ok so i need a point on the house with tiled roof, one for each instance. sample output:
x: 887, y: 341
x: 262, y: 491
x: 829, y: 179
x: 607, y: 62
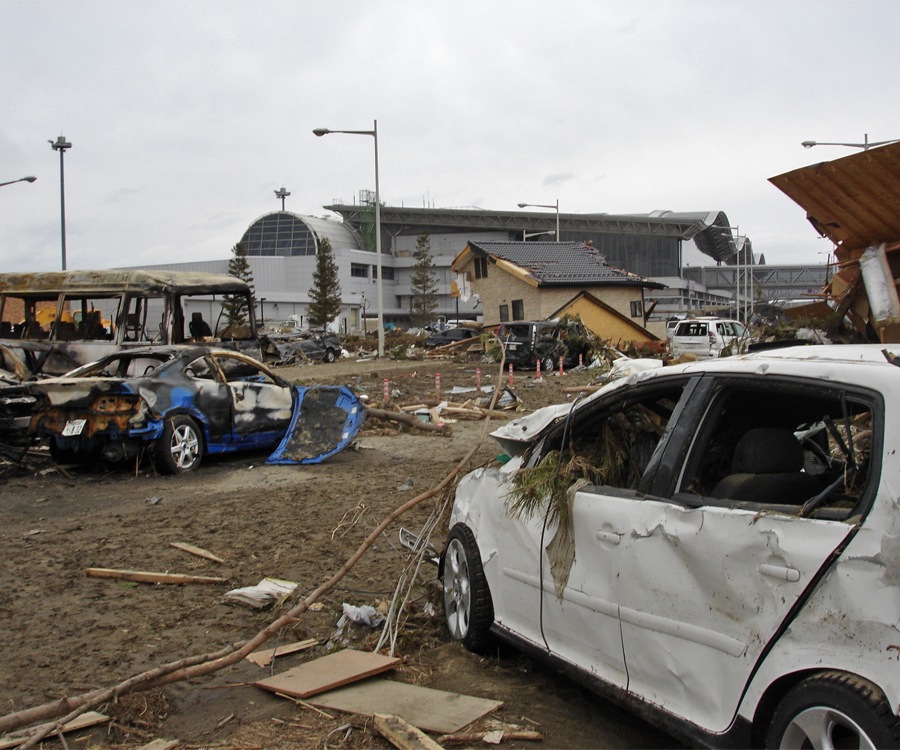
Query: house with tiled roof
x: 534, y: 280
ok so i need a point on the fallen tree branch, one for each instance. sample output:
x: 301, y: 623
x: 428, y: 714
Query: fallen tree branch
x: 407, y: 419
x: 205, y: 664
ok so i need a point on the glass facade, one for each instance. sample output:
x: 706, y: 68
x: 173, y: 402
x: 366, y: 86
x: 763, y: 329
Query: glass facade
x: 279, y: 234
x: 647, y: 255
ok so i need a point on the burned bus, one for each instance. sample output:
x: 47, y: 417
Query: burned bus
x: 69, y: 318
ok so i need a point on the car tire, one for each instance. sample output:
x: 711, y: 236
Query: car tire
x: 468, y: 609
x: 330, y: 356
x: 63, y: 456
x: 547, y: 364
x: 834, y: 709
x: 180, y: 448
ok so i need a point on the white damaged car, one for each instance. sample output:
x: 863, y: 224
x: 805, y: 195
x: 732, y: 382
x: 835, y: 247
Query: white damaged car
x: 714, y: 545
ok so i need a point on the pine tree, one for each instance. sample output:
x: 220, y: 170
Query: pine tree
x: 424, y: 284
x: 235, y: 307
x: 325, y: 294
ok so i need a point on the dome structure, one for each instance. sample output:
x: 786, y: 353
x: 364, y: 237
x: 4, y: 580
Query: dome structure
x: 283, y: 233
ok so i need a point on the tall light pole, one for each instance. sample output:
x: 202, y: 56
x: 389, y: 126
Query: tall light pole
x: 21, y: 179
x: 865, y: 145
x: 282, y: 194
x: 380, y: 300
x: 61, y: 144
x: 544, y: 205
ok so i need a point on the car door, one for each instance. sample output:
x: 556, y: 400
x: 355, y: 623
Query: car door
x: 261, y: 404
x: 560, y: 579
x: 705, y: 583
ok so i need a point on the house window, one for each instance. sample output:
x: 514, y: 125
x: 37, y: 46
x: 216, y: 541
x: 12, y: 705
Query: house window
x: 504, y: 313
x: 359, y: 270
x: 481, y: 268
x: 387, y: 273
x: 518, y: 309
x: 637, y: 309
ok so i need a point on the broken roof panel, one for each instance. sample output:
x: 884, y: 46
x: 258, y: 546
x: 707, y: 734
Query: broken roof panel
x: 854, y: 201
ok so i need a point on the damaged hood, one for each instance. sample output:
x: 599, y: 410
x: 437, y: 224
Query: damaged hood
x: 853, y: 201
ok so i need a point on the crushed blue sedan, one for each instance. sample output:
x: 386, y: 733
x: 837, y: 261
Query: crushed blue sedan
x: 182, y: 403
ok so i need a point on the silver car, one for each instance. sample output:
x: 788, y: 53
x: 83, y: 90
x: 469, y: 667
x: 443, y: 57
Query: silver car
x: 708, y: 337
x: 715, y: 545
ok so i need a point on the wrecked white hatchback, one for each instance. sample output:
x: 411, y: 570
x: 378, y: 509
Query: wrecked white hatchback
x: 714, y: 545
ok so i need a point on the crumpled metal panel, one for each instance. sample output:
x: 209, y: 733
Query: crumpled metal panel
x: 854, y: 201
x: 118, y: 281
x: 326, y: 419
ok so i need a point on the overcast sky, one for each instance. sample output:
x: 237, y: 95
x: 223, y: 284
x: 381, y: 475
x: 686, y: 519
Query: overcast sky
x: 186, y: 116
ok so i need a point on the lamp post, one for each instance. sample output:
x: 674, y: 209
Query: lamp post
x: 282, y: 194
x: 21, y: 179
x: 262, y: 311
x: 380, y: 299
x: 61, y: 144
x: 865, y: 145
x: 544, y: 205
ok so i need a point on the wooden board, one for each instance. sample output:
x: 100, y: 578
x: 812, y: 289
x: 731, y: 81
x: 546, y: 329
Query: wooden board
x: 88, y: 719
x: 328, y: 672
x: 264, y: 658
x: 426, y: 708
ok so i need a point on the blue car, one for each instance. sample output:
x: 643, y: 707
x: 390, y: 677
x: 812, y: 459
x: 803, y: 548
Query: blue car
x: 183, y: 403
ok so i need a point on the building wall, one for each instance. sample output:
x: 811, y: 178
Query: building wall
x: 502, y: 288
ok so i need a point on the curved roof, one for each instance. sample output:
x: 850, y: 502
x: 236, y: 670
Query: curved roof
x: 287, y: 233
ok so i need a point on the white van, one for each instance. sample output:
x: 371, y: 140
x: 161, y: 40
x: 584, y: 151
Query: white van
x: 705, y: 338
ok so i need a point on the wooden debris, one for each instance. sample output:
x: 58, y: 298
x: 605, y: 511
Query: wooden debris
x: 407, y: 419
x: 146, y: 576
x: 160, y: 744
x: 328, y: 672
x: 198, y: 551
x: 89, y: 719
x: 264, y: 658
x: 493, y: 737
x: 403, y: 735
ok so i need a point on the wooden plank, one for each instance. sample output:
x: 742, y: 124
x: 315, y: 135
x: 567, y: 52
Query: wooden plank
x: 198, y: 551
x: 426, y: 708
x: 87, y: 719
x: 160, y: 744
x: 403, y: 735
x: 328, y: 672
x: 146, y: 576
x: 264, y: 658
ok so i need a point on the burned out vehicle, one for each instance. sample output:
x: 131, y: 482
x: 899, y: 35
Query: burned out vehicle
x: 183, y: 403
x: 80, y: 316
x: 302, y: 346
x: 450, y: 336
x: 527, y: 342
x: 714, y: 545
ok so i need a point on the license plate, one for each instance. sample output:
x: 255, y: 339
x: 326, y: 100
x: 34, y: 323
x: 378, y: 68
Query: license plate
x: 74, y: 427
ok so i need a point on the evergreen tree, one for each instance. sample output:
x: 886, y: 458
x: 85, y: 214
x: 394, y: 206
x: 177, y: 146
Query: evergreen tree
x: 235, y: 307
x: 325, y: 295
x: 424, y: 284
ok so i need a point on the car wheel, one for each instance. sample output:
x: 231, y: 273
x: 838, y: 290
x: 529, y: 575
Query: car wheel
x: 330, y: 356
x: 834, y: 710
x: 180, y: 448
x: 62, y: 455
x: 547, y: 364
x: 468, y: 609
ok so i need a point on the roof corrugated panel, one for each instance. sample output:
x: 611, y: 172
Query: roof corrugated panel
x: 563, y: 263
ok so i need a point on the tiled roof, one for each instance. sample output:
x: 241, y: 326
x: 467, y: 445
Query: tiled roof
x: 563, y: 264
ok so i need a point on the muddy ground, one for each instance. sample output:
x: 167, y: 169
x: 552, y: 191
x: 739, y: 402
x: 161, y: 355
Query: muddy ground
x: 64, y: 633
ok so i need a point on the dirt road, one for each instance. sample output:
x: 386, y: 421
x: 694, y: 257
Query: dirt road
x: 65, y: 633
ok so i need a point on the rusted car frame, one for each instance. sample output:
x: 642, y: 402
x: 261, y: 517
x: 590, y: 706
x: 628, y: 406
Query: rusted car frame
x: 80, y: 316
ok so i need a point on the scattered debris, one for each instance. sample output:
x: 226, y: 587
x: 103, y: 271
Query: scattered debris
x: 403, y: 735
x: 89, y: 719
x: 328, y: 672
x: 264, y: 594
x: 198, y: 551
x: 492, y: 737
x: 366, y: 614
x: 145, y: 576
x: 264, y: 658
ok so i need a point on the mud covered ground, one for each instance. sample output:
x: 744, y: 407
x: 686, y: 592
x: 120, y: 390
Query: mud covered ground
x: 64, y: 633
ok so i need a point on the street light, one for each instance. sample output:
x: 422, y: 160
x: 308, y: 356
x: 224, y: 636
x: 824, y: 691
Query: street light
x: 21, y: 179
x: 282, y: 194
x: 544, y: 205
x: 380, y: 300
x: 865, y: 145
x: 61, y: 144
